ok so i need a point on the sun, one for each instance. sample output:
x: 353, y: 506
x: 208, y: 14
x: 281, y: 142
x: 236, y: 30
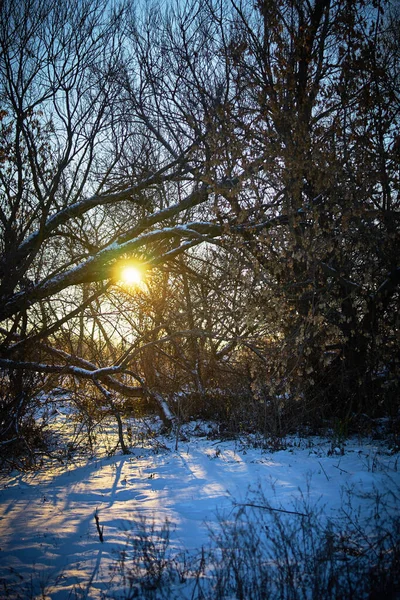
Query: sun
x: 131, y: 275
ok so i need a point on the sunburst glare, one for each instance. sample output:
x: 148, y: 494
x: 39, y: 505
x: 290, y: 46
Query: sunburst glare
x: 131, y: 275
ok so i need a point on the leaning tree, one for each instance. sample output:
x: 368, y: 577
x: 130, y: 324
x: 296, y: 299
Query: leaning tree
x: 91, y: 175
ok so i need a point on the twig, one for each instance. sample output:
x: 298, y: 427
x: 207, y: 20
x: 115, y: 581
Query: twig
x: 340, y: 469
x: 280, y: 510
x: 99, y: 529
x: 323, y: 470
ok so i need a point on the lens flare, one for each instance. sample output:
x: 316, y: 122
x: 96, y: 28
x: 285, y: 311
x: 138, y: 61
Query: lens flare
x: 131, y: 275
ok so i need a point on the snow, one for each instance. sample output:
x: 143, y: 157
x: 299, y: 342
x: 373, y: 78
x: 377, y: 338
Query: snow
x: 48, y: 531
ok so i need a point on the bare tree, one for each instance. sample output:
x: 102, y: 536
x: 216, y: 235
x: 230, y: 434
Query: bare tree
x: 85, y: 174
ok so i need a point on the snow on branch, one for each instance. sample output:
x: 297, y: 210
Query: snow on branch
x: 97, y: 267
x: 198, y: 196
x: 6, y: 363
x: 75, y: 371
x: 81, y: 207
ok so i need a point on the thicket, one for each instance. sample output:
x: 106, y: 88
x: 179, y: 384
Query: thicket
x: 245, y: 156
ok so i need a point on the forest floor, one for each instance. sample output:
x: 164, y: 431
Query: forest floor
x: 172, y: 504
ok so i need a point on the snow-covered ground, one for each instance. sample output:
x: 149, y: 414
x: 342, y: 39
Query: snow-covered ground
x: 49, y: 543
